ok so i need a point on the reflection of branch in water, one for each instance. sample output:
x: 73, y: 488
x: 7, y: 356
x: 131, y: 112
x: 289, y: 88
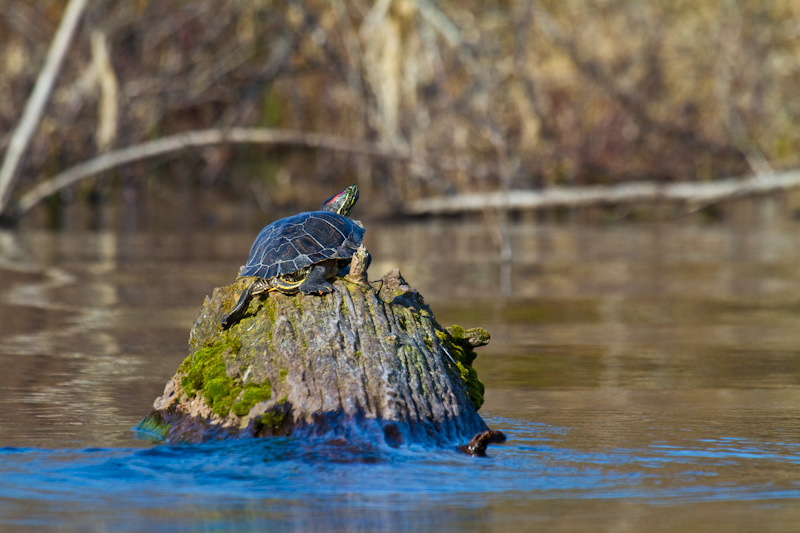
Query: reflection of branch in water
x: 83, y: 319
x: 501, y: 221
x: 497, y: 222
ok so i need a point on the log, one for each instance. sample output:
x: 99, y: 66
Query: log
x: 693, y: 193
x: 359, y: 364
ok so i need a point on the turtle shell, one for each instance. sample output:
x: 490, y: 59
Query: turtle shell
x: 290, y: 244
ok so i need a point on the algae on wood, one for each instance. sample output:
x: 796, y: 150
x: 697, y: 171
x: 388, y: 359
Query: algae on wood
x: 354, y: 364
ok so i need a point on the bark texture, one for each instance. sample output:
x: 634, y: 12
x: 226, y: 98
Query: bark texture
x: 355, y: 364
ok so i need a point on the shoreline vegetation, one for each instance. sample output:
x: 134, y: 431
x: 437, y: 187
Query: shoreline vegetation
x: 443, y: 107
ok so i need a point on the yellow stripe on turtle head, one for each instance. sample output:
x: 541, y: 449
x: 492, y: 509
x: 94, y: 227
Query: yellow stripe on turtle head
x: 343, y: 202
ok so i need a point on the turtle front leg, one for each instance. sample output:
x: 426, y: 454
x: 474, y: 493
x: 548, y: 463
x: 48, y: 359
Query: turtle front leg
x: 238, y: 311
x: 317, y: 281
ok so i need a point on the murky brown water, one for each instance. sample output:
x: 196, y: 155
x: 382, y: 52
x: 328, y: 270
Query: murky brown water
x: 648, y: 375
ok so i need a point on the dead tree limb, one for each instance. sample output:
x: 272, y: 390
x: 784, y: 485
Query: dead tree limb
x: 705, y: 193
x: 38, y: 99
x: 208, y: 137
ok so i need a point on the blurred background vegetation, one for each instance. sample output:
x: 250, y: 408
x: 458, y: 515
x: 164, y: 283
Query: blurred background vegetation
x: 484, y: 96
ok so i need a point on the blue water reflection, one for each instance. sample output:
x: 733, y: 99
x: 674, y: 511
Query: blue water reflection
x: 301, y: 483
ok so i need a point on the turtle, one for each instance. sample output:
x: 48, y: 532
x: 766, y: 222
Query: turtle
x: 300, y: 253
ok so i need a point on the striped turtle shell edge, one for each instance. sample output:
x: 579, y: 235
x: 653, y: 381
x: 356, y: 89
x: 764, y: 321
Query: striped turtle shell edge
x: 290, y: 244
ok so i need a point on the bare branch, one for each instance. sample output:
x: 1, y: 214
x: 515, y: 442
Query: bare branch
x: 108, y: 106
x: 38, y: 99
x: 696, y: 193
x: 181, y: 141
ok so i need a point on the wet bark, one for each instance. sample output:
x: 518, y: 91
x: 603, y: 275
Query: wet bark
x: 356, y: 364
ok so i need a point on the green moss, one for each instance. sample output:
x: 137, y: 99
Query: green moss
x: 271, y: 314
x: 283, y: 373
x: 208, y: 364
x: 456, y: 331
x: 461, y: 344
x: 475, y: 388
x: 454, y: 348
x: 253, y: 393
x: 220, y: 393
x: 461, y: 351
x: 274, y: 419
x: 296, y: 303
x: 205, y: 372
x: 478, y: 336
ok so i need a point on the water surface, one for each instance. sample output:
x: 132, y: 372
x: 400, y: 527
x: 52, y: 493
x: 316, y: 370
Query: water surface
x: 647, y: 376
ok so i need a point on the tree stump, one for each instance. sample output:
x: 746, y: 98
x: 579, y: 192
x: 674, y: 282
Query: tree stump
x: 357, y: 364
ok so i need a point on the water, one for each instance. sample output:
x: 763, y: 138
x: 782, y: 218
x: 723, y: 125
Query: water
x: 647, y: 377
x: 280, y: 483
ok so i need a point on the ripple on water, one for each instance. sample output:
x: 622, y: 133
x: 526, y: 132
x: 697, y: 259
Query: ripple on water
x: 301, y: 476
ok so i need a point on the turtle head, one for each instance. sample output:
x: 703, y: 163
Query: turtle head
x: 343, y: 202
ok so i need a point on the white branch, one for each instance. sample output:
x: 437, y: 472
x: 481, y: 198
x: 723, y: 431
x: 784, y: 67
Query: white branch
x: 38, y: 99
x: 181, y: 141
x: 694, y: 193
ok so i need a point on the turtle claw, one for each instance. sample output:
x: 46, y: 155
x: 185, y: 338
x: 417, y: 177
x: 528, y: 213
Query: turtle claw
x: 315, y: 282
x: 319, y: 291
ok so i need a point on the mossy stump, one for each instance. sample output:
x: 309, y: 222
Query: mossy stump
x: 356, y: 364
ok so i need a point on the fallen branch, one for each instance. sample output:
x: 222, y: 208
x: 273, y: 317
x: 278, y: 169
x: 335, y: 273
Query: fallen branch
x: 181, y: 141
x: 705, y: 193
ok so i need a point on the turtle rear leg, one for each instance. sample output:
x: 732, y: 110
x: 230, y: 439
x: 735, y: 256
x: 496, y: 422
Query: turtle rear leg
x: 238, y: 311
x: 316, y: 282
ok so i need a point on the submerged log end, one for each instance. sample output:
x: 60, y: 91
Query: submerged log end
x: 478, y: 444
